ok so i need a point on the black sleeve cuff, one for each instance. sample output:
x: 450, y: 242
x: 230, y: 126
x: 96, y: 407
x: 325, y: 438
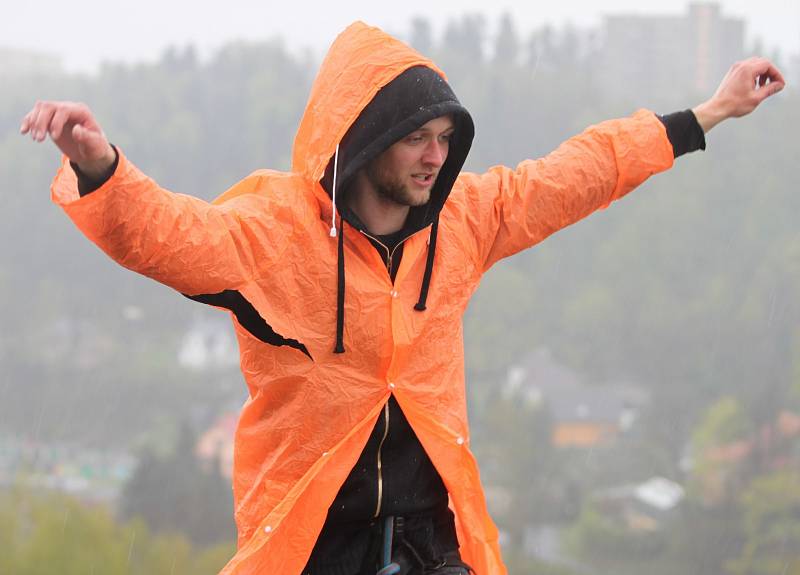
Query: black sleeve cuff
x: 87, y: 185
x: 684, y: 133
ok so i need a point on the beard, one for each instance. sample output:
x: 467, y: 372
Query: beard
x: 391, y: 189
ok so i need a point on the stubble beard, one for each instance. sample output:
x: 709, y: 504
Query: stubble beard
x: 392, y: 189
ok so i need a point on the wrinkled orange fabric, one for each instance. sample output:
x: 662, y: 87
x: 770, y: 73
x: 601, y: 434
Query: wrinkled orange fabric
x: 306, y: 421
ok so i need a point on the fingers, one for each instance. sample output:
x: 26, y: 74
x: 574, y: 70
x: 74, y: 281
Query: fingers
x: 744, y: 87
x: 767, y: 80
x: 29, y: 121
x: 26, y: 123
x: 37, y: 121
x: 749, y: 83
x: 51, y: 117
x: 60, y: 118
x: 43, y: 120
x: 763, y: 73
x: 767, y: 71
x: 72, y: 128
x: 768, y: 89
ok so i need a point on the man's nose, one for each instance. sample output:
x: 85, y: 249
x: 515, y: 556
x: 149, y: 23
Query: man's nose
x: 435, y: 154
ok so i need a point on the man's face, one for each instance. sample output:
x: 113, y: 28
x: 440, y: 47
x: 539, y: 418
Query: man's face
x: 405, y: 173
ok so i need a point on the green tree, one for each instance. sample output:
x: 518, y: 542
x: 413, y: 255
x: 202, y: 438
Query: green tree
x: 176, y: 493
x: 514, y: 444
x: 771, y: 522
x: 597, y: 539
x: 47, y: 533
x: 723, y: 423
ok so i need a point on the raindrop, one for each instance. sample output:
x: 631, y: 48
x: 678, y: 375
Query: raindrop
x: 772, y: 309
x: 536, y: 65
x: 130, y: 549
x: 64, y: 524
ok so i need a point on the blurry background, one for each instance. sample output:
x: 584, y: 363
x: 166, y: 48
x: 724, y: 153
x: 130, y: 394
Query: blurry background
x: 634, y: 380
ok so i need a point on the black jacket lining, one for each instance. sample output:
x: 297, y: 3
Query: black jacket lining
x: 248, y: 318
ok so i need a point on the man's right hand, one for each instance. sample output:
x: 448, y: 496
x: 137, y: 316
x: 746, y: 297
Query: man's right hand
x: 74, y: 130
x: 744, y: 87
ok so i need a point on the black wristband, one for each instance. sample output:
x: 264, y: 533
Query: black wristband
x: 684, y: 132
x: 87, y: 185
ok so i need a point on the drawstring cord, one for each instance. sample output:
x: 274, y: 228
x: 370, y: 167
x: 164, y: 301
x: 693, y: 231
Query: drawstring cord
x: 333, y: 192
x: 339, y: 348
x: 426, y: 279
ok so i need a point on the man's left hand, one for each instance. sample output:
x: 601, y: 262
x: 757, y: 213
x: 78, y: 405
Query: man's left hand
x: 744, y: 87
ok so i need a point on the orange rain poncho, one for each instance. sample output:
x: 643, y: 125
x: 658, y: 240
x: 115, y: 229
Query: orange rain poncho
x: 307, y: 420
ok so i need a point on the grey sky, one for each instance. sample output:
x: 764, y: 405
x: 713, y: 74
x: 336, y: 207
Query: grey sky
x: 85, y: 32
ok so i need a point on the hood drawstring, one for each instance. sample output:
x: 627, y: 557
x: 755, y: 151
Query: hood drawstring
x: 423, y: 294
x: 340, y: 292
x: 417, y: 94
x: 333, y: 192
x: 426, y: 279
x: 339, y: 347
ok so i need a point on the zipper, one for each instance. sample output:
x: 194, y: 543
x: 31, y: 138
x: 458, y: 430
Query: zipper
x: 389, y: 253
x: 389, y: 260
x: 380, y: 471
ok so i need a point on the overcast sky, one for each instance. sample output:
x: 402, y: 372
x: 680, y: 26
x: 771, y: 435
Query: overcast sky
x: 85, y: 32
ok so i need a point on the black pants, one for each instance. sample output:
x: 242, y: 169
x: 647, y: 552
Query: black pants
x: 424, y: 544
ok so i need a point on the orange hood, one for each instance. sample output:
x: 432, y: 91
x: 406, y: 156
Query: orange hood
x: 360, y: 62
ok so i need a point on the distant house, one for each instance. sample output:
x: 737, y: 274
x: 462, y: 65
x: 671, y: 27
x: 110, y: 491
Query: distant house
x: 774, y: 447
x: 642, y: 507
x: 215, y: 445
x: 585, y: 414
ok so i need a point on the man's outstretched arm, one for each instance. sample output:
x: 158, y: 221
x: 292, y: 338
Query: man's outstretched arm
x: 179, y: 240
x: 512, y: 209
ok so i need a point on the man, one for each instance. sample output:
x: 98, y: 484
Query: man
x: 347, y: 279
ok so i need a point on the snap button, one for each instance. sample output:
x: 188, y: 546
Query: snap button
x: 393, y: 293
x: 391, y: 385
x: 268, y: 528
x: 460, y: 441
x: 324, y: 453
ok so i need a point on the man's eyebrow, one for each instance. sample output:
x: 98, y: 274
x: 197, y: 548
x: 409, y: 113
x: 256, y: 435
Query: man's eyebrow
x: 424, y: 129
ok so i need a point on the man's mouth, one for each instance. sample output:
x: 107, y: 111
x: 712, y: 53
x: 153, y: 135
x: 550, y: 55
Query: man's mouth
x: 423, y: 179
